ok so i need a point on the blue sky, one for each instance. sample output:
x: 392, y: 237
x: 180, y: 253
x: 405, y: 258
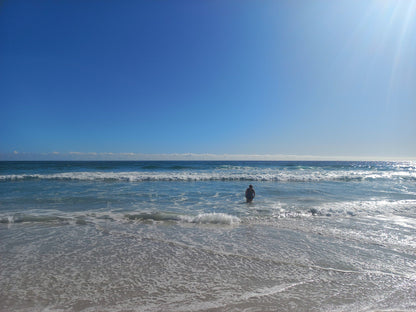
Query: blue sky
x: 302, y: 78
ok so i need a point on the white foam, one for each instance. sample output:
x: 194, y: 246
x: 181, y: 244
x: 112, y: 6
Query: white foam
x: 399, y: 220
x: 366, y: 207
x: 100, y: 217
x: 269, y: 291
x: 212, y: 218
x: 221, y: 175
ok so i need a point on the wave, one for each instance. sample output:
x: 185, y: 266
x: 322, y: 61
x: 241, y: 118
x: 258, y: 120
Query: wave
x: 398, y: 210
x: 30, y: 218
x: 366, y: 208
x: 184, y: 176
x: 202, y: 218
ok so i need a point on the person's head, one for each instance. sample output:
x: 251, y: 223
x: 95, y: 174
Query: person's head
x: 250, y: 186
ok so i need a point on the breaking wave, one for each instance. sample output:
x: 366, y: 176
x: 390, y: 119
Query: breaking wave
x: 202, y: 218
x: 278, y: 176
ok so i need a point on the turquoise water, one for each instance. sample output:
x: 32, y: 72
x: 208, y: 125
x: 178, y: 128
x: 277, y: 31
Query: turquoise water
x: 178, y: 236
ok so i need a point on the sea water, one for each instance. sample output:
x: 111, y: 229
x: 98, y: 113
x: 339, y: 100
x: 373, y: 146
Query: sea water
x: 179, y: 236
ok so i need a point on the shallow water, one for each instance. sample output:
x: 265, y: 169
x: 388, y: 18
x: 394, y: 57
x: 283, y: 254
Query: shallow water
x: 178, y: 236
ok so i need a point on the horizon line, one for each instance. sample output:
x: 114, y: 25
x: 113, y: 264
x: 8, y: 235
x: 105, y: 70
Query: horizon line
x: 109, y: 156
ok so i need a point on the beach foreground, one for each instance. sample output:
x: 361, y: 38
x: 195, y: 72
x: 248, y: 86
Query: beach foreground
x: 178, y: 236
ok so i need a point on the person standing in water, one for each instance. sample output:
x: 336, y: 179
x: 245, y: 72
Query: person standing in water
x: 250, y: 194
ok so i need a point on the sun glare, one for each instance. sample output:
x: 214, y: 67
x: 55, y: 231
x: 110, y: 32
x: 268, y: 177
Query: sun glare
x: 394, y: 24
x: 405, y: 13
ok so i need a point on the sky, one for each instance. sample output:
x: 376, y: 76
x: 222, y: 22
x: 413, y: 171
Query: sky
x: 289, y: 79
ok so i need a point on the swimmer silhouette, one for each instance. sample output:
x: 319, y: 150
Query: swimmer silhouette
x: 250, y: 194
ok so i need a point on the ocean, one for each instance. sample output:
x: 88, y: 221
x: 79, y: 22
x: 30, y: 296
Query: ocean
x: 179, y: 236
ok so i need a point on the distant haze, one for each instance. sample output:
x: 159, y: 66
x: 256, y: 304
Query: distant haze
x: 187, y: 156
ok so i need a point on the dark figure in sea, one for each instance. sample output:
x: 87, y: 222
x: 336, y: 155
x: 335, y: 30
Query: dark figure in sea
x: 250, y: 194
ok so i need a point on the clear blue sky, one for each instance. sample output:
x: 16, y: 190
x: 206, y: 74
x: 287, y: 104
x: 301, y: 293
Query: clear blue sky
x: 294, y: 77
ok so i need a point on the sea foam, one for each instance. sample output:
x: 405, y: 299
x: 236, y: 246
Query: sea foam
x: 187, y: 175
x: 212, y: 218
x: 202, y: 218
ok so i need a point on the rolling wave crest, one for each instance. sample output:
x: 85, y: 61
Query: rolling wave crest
x: 278, y: 176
